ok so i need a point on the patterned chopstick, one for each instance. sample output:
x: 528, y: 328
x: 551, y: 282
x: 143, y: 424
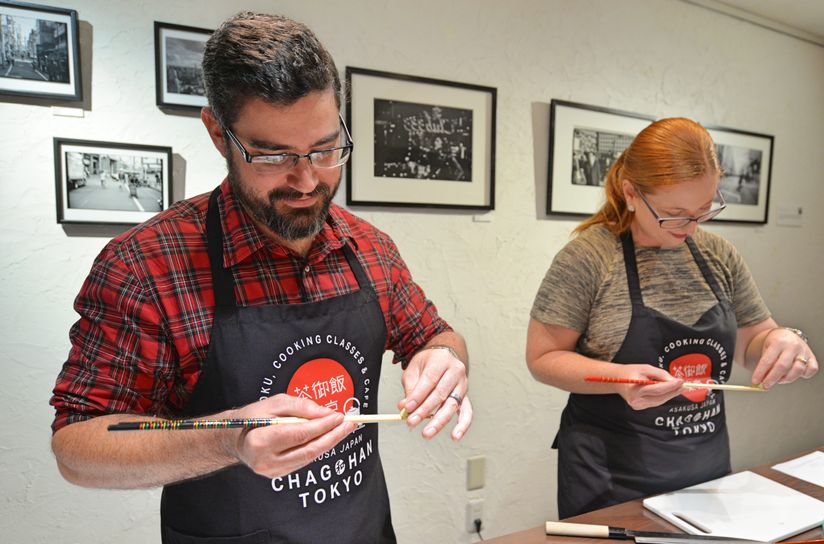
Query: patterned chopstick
x: 244, y: 423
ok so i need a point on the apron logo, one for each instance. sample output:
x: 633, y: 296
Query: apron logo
x: 322, y: 380
x: 342, y: 469
x: 693, y: 367
x: 321, y: 483
x: 697, y: 366
x: 694, y: 359
x: 326, y: 382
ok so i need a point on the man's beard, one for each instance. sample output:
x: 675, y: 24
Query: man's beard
x: 296, y: 224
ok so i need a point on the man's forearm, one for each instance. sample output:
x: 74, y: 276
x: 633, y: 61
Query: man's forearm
x: 91, y: 456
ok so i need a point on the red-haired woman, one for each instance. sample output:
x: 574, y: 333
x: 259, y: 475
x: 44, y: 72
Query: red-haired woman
x: 642, y: 293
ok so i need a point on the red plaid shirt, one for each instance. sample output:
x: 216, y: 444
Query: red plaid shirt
x: 146, y: 307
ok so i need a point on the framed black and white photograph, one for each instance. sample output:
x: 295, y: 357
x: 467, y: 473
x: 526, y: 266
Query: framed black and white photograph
x: 110, y: 183
x: 419, y: 142
x: 584, y: 141
x: 746, y: 160
x: 39, y: 51
x: 178, y: 72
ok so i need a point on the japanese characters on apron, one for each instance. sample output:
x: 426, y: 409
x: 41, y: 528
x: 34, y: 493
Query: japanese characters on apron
x: 329, y: 351
x: 609, y: 453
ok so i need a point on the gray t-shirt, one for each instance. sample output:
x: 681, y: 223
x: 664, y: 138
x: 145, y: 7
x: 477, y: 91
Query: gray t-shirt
x: 585, y: 289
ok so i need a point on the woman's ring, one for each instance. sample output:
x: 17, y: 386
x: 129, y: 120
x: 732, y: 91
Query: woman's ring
x: 803, y: 359
x: 456, y: 397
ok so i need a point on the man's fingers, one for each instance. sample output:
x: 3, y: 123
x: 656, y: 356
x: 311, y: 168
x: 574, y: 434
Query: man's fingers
x: 288, y: 405
x: 300, y: 456
x: 280, y: 449
x: 438, y: 395
x: 448, y: 408
x: 420, y: 392
x: 464, y: 420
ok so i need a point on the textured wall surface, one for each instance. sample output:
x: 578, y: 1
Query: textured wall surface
x: 661, y: 57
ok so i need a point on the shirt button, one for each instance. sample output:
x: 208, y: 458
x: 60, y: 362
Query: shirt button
x: 306, y: 269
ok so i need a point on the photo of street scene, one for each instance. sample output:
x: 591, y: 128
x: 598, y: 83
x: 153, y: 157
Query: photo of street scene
x: 593, y: 152
x: 113, y: 182
x: 33, y: 49
x: 183, y: 72
x: 422, y: 141
x: 741, y: 181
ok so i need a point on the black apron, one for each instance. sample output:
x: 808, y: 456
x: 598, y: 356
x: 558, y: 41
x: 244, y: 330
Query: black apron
x: 609, y: 453
x: 329, y: 351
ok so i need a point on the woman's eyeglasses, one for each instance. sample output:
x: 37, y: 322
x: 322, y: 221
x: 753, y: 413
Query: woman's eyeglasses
x: 679, y: 222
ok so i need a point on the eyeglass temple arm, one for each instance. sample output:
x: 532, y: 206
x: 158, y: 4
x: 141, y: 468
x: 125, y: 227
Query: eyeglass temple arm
x: 345, y: 128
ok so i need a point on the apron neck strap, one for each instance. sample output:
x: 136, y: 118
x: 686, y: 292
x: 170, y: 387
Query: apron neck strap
x: 221, y: 277
x: 633, y: 283
x: 705, y: 269
x: 357, y: 269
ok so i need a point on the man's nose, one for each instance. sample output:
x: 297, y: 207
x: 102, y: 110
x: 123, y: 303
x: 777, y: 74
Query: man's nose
x: 304, y: 178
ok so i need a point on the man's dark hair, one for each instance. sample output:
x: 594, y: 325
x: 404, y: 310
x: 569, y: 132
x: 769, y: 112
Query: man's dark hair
x: 266, y: 56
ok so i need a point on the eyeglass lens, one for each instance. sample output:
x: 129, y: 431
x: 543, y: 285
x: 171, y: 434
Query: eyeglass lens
x: 325, y: 158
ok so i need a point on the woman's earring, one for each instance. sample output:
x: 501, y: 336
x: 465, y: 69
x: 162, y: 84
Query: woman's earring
x: 631, y: 209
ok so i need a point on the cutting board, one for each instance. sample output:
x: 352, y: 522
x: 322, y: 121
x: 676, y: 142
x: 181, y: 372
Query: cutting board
x: 741, y: 505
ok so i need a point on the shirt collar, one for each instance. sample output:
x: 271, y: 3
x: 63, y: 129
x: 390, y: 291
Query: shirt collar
x: 243, y: 238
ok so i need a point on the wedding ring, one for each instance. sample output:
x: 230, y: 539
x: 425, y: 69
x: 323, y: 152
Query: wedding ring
x: 803, y: 359
x: 456, y: 397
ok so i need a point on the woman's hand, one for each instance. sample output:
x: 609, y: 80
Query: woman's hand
x: 785, y: 357
x: 640, y: 397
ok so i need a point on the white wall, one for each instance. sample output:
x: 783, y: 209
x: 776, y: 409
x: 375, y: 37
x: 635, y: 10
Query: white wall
x: 661, y: 57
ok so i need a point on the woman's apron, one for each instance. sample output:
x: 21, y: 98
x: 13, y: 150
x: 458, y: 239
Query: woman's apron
x: 609, y: 453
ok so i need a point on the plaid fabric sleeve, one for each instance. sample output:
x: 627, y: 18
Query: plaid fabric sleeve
x: 120, y: 358
x: 413, y: 318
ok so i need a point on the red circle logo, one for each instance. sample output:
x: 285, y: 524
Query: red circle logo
x: 693, y: 367
x: 326, y: 382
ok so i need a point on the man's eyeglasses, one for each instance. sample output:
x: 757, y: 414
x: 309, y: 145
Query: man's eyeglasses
x: 679, y: 222
x: 281, y: 162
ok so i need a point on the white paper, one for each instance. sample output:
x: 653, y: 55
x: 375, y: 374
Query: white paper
x: 809, y: 468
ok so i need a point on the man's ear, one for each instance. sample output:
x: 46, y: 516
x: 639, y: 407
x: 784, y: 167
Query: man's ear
x: 214, y: 128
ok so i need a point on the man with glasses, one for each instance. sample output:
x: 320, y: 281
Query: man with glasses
x: 262, y: 299
x: 643, y: 294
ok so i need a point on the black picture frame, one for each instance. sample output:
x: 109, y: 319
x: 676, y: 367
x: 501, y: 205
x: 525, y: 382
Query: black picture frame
x: 178, y: 72
x: 746, y: 161
x: 39, y: 52
x: 575, y: 180
x: 420, y: 142
x: 110, y: 183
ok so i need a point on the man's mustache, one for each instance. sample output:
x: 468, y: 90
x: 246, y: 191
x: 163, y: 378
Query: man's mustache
x: 283, y: 194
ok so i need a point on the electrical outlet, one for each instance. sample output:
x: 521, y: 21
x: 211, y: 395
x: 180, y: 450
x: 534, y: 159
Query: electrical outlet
x: 474, y: 510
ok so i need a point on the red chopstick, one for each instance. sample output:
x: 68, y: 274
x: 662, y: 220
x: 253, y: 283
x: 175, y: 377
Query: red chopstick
x: 607, y: 379
x: 688, y: 385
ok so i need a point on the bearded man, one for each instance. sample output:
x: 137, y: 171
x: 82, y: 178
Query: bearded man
x: 261, y: 299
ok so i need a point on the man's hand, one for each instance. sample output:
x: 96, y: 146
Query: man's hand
x: 277, y: 450
x: 435, y: 383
